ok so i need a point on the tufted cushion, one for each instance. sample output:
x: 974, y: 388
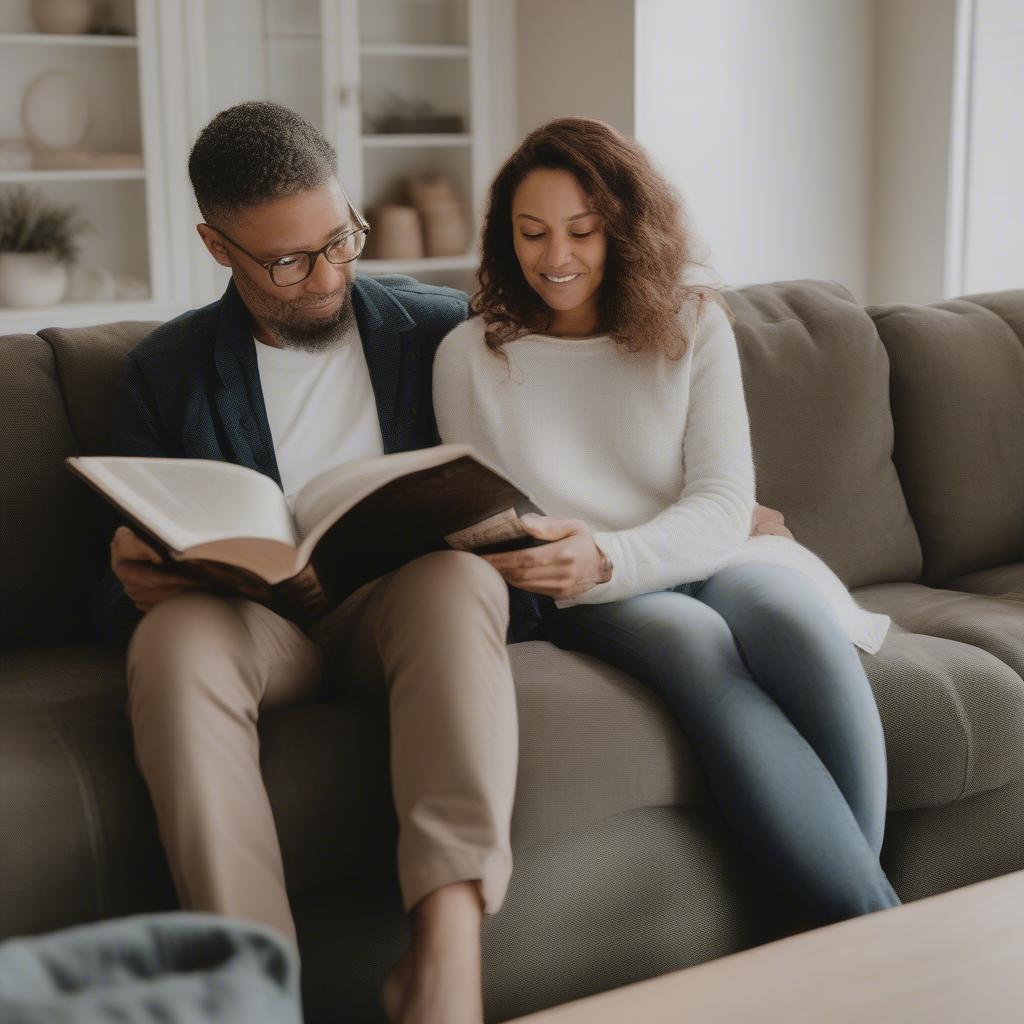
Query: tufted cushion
x: 958, y: 405
x: 89, y: 364
x: 816, y: 379
x: 994, y: 624
x: 45, y: 516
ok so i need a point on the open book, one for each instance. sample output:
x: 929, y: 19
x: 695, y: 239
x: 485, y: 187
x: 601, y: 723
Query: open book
x: 232, y: 527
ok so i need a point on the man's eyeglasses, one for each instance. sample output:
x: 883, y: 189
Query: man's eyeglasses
x: 297, y: 266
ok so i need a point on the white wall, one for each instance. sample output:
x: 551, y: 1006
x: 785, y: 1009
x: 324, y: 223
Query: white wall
x: 761, y: 114
x: 914, y: 42
x: 993, y: 229
x: 575, y: 58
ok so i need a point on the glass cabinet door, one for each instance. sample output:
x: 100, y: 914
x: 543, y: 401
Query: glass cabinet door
x: 391, y: 84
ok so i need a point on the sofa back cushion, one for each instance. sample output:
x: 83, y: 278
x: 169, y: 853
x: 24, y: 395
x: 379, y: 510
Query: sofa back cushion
x: 816, y: 379
x: 958, y: 404
x: 56, y: 393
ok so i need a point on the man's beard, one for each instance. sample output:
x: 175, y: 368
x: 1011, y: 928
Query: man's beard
x: 310, y: 335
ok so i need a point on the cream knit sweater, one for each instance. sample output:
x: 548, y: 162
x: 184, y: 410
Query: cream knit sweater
x: 652, y: 453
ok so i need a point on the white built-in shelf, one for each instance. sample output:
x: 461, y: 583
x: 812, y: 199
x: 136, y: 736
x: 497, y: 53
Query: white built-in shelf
x: 75, y: 314
x: 52, y: 39
x: 299, y: 40
x: 99, y: 174
x: 413, y: 50
x: 427, y: 140
x: 420, y: 266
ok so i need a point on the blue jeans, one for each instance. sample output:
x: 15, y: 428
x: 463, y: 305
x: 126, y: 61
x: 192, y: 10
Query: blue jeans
x: 765, y: 683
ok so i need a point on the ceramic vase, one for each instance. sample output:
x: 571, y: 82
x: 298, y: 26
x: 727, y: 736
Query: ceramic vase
x: 398, y: 233
x: 445, y: 232
x: 63, y: 17
x: 31, y: 279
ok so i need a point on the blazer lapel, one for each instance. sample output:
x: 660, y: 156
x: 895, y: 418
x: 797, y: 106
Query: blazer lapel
x: 381, y: 320
x: 239, y: 400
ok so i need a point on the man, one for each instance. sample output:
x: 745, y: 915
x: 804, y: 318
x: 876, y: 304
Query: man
x: 299, y: 366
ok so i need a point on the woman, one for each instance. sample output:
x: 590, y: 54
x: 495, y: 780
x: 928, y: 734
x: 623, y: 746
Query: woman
x: 611, y: 392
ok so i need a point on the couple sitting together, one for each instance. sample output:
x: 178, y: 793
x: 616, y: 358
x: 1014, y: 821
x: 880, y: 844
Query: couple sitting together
x: 586, y: 369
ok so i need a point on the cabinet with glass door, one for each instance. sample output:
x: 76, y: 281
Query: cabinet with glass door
x: 82, y: 229
x: 404, y: 90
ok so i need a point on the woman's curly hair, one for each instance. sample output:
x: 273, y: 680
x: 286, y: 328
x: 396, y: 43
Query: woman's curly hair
x: 643, y: 289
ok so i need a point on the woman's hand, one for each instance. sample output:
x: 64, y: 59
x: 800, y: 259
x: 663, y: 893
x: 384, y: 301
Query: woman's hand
x: 768, y: 520
x: 565, y: 568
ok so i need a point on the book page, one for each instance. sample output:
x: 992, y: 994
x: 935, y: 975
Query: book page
x: 194, y: 501
x: 333, y: 492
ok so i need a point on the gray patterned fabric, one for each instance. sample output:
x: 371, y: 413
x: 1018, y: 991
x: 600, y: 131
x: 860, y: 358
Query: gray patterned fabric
x: 172, y: 968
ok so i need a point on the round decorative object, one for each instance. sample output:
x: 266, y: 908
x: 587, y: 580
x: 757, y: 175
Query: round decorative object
x: 63, y: 17
x: 55, y: 111
x: 29, y: 279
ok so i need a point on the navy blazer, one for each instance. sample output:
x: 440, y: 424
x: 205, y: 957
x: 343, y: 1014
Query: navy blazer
x: 191, y: 389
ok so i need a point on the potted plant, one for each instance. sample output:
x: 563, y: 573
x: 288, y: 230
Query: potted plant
x: 37, y: 242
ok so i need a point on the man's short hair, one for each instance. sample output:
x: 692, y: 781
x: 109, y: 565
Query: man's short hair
x: 254, y: 152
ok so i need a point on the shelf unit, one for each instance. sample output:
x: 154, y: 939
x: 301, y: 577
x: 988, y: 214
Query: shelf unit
x: 53, y: 39
x: 41, y: 177
x: 124, y: 206
x: 332, y: 60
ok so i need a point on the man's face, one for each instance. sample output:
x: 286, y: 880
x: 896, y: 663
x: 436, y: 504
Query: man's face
x: 314, y: 313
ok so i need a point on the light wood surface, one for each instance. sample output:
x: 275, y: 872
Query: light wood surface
x: 957, y: 957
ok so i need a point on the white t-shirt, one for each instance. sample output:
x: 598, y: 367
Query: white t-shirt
x: 321, y: 408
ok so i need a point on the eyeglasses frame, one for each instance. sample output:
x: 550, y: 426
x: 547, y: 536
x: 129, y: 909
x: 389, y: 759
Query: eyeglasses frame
x: 313, y: 254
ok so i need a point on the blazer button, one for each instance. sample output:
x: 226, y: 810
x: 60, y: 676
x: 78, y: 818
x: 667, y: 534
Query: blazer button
x: 263, y: 460
x: 248, y: 422
x: 414, y: 411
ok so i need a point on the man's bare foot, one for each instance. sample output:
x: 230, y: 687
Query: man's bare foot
x: 437, y: 981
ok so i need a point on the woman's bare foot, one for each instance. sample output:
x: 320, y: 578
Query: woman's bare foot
x: 437, y: 981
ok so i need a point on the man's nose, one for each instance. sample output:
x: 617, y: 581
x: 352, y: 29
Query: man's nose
x: 326, y: 277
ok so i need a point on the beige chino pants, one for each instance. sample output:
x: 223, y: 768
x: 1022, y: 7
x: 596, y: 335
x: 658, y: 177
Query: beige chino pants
x: 431, y: 635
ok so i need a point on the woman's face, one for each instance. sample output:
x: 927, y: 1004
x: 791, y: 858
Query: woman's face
x: 561, y: 246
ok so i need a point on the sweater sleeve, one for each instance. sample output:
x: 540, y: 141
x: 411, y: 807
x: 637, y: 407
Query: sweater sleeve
x: 451, y: 386
x: 710, y: 520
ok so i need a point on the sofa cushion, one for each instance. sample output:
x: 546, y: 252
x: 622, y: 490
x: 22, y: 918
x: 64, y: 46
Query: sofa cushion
x: 89, y: 365
x: 958, y: 405
x: 816, y: 379
x: 953, y: 717
x: 1005, y: 581
x: 995, y: 624
x: 47, y: 517
x: 78, y: 838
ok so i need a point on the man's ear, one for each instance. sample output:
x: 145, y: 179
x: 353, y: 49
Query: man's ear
x: 214, y: 244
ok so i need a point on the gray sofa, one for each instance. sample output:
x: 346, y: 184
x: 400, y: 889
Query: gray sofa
x: 892, y: 439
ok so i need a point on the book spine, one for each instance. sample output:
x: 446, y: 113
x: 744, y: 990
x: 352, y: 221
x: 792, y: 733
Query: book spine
x: 302, y: 597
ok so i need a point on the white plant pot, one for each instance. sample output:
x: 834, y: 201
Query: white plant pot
x: 31, y: 279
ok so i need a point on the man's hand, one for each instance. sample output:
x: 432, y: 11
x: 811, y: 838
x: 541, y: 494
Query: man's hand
x: 140, y: 569
x: 565, y: 568
x: 768, y: 520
